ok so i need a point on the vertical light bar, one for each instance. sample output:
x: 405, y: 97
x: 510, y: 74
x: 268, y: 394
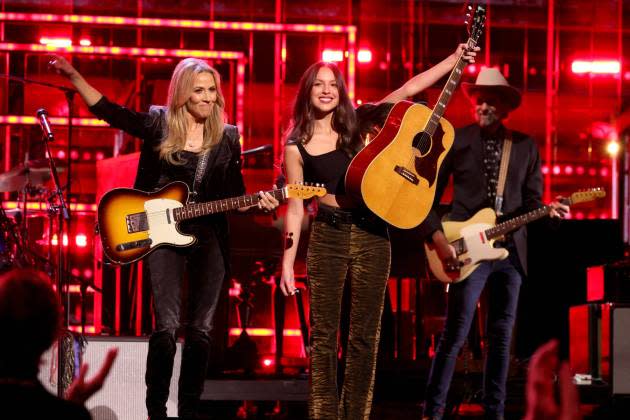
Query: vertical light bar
x: 551, y: 29
x: 614, y: 193
x: 352, y: 55
x: 98, y: 282
x: 240, y: 94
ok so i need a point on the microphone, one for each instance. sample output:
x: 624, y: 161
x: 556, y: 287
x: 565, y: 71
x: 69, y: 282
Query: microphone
x: 42, y: 115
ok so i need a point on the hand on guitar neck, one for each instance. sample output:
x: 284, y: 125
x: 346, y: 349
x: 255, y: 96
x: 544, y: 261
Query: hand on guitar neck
x: 559, y: 207
x: 445, y: 251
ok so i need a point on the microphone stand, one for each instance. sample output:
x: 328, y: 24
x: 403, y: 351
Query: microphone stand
x: 57, y: 207
x: 61, y: 210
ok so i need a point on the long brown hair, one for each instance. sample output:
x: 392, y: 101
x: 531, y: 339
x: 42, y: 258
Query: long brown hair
x: 344, y: 120
x: 179, y: 91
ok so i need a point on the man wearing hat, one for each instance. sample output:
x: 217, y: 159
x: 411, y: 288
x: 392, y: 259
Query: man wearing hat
x: 474, y: 162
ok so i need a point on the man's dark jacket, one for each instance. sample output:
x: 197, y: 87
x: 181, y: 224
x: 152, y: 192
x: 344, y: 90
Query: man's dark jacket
x: 523, y: 186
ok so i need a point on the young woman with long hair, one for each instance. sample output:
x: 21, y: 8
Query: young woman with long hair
x: 347, y: 240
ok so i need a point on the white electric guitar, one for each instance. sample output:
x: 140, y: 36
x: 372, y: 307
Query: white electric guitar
x: 473, y: 239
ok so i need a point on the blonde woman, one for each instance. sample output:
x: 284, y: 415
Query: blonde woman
x: 175, y: 136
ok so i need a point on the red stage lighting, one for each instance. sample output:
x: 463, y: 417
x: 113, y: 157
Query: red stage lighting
x: 55, y: 242
x: 568, y: 170
x: 81, y: 240
x: 84, y: 42
x: 267, y: 362
x: 556, y: 169
x: 596, y: 67
x: 334, y: 56
x: 55, y: 42
x: 364, y: 56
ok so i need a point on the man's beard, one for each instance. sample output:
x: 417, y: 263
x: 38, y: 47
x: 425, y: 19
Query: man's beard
x: 487, y: 118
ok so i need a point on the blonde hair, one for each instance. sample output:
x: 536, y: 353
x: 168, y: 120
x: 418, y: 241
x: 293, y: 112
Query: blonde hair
x: 179, y: 91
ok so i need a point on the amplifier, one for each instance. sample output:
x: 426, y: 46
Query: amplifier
x: 600, y: 345
x: 122, y: 396
x: 609, y: 283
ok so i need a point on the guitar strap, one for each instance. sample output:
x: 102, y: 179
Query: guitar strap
x: 202, y: 164
x: 505, y: 161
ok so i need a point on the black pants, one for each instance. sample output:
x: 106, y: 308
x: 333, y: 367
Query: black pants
x: 206, y: 271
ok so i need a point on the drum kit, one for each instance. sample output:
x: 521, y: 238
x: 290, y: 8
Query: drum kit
x: 26, y: 229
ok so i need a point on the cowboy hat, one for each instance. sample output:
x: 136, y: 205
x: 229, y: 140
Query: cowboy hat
x: 491, y: 80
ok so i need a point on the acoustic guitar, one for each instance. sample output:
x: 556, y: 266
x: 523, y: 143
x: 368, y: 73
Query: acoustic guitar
x: 132, y: 223
x: 396, y: 173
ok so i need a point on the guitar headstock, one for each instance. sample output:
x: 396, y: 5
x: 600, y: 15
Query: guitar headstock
x: 476, y: 23
x: 589, y: 194
x: 305, y: 191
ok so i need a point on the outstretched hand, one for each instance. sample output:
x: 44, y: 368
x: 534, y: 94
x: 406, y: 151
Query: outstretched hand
x: 61, y: 66
x: 542, y: 403
x: 81, y: 390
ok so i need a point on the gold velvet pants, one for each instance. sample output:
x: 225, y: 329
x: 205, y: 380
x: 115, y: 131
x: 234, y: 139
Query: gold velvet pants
x: 360, y: 252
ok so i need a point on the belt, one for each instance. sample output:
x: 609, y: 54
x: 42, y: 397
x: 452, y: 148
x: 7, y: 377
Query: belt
x: 335, y: 216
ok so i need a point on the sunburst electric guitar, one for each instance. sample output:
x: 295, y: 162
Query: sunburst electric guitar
x: 396, y: 173
x: 473, y: 239
x: 133, y: 223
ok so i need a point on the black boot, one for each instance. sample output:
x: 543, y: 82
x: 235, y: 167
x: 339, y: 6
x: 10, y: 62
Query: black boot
x: 159, y: 371
x: 193, y: 373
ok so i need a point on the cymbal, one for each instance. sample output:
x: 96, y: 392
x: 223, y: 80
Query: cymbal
x: 18, y: 177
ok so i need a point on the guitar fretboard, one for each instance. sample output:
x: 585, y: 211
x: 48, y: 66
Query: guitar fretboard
x: 447, y: 92
x: 191, y: 211
x: 516, y: 222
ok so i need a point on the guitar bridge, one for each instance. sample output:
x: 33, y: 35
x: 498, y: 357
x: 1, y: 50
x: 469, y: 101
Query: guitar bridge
x: 137, y: 222
x: 407, y: 174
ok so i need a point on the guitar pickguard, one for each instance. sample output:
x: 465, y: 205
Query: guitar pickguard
x: 427, y: 165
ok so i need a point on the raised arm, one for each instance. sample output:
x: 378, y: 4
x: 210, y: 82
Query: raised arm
x: 138, y: 124
x: 89, y: 94
x: 292, y: 220
x: 427, y: 78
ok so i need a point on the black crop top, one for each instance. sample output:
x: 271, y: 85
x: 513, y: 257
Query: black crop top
x: 328, y: 169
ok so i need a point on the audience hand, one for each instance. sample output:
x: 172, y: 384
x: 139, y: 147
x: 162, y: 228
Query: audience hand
x: 542, y: 401
x: 81, y: 390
